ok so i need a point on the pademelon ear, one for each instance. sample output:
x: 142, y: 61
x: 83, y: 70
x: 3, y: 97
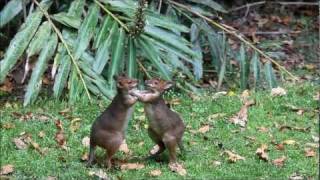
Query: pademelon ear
x: 168, y: 85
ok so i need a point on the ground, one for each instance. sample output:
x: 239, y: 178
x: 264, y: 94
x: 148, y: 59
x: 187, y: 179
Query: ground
x: 271, y: 121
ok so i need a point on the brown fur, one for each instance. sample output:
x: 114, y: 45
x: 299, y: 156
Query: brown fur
x: 166, y: 128
x: 108, y: 131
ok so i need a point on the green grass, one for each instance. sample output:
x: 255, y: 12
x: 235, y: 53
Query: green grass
x: 198, y: 161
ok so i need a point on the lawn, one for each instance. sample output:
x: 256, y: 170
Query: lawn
x: 271, y: 121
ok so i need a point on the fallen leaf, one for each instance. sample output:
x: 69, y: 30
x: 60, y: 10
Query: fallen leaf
x: 155, y: 172
x: 289, y: 142
x: 51, y: 178
x: 100, y: 174
x: 7, y: 86
x: 20, y: 144
x: 261, y: 152
x: 85, y: 156
x: 245, y: 95
x: 194, y: 97
x: 42, y: 134
x: 212, y: 117
x: 6, y: 169
x: 317, y: 96
x: 154, y: 149
x: 216, y: 163
x: 313, y: 145
x: 280, y: 161
x: 178, y: 168
x: 86, y: 141
x: 131, y: 166
x: 59, y: 137
x: 75, y: 124
x: 241, y: 117
x: 124, y: 147
x: 141, y: 143
x: 263, y: 129
x: 204, y: 129
x: 300, y: 112
x: 278, y: 91
x: 296, y: 176
x: 36, y: 146
x: 8, y: 125
x: 280, y: 147
x: 233, y: 157
x: 315, y: 138
x: 65, y: 111
x: 219, y: 94
x: 308, y: 152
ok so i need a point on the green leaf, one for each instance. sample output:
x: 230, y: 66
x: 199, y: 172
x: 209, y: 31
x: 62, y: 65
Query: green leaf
x: 197, y: 61
x: 76, y: 8
x: 210, y: 3
x: 11, y: 9
x: 62, y: 76
x: 170, y: 38
x: 222, y: 73
x: 76, y: 88
x: 20, y: 41
x: 65, y: 19
x: 132, y: 63
x: 56, y: 61
x: 244, y: 69
x: 103, y: 32
x: 270, y: 76
x: 153, y: 56
x: 102, y: 56
x: 35, y: 82
x: 86, y: 30
x: 116, y: 57
x: 39, y: 40
x: 256, y: 68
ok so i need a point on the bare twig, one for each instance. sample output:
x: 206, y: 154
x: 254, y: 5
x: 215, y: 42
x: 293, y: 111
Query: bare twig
x: 112, y: 15
x: 234, y: 33
x: 65, y: 45
x: 247, y: 6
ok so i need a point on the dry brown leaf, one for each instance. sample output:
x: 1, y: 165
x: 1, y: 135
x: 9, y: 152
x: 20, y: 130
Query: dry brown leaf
x: 100, y: 174
x: 233, y: 157
x: 131, y: 166
x: 263, y: 129
x: 75, y: 124
x: 219, y: 94
x: 65, y: 111
x: 8, y: 126
x: 194, y: 97
x: 7, y: 86
x: 124, y: 147
x: 241, y: 117
x: 280, y: 161
x: 212, y: 117
x: 261, y: 152
x: 20, y: 144
x: 280, y: 147
x: 178, y: 168
x: 156, y: 172
x: 289, y: 142
x: 85, y: 156
x: 245, y: 95
x: 154, y: 149
x: 7, y: 169
x: 278, y: 91
x: 86, y: 141
x: 317, y: 96
x: 59, y: 137
x: 308, y: 152
x: 204, y: 129
x: 42, y: 134
x: 300, y: 112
